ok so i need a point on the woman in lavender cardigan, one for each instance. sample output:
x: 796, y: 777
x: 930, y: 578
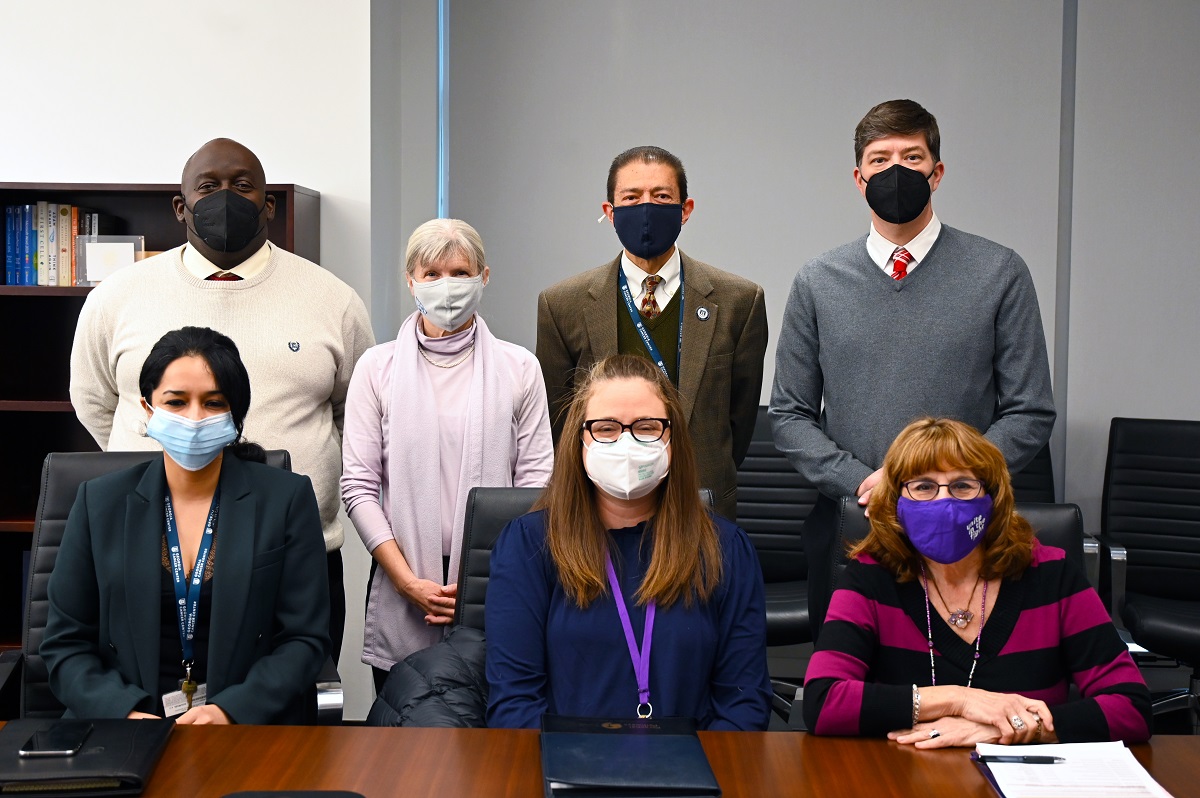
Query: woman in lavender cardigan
x: 952, y: 625
x: 444, y: 408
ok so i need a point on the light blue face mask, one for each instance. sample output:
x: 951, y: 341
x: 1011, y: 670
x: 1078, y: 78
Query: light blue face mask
x: 191, y: 444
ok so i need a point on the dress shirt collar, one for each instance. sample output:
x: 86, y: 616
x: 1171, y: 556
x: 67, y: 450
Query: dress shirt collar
x: 665, y: 290
x: 201, y: 267
x: 880, y: 249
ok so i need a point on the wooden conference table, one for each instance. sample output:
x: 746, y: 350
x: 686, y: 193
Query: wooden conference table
x: 448, y: 763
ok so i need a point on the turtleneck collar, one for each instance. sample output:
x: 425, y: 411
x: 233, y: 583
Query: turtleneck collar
x: 448, y: 345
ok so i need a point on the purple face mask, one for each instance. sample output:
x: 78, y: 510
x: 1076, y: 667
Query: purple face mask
x: 945, y: 530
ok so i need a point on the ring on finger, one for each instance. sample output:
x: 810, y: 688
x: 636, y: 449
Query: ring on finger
x: 934, y: 734
x: 1016, y: 722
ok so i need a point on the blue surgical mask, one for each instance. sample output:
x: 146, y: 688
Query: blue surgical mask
x: 191, y: 444
x: 945, y: 530
x: 648, y: 230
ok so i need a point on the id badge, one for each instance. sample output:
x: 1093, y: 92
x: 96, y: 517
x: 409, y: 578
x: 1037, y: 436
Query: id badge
x: 176, y: 703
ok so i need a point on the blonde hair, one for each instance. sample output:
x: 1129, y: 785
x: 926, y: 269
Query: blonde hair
x: 685, y: 563
x: 943, y: 444
x: 439, y: 239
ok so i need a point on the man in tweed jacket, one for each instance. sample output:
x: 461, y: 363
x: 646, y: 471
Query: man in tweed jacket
x: 708, y: 326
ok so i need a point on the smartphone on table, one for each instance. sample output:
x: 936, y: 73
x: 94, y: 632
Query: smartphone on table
x: 63, y: 738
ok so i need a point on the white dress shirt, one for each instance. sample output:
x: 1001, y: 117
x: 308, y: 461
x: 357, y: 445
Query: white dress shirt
x: 881, y: 250
x: 666, y: 289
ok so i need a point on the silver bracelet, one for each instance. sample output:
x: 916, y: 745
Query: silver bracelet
x: 916, y: 706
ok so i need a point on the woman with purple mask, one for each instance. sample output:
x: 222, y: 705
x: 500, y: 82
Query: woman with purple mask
x: 952, y: 625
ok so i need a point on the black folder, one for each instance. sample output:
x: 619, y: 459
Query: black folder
x: 117, y: 758
x: 624, y: 758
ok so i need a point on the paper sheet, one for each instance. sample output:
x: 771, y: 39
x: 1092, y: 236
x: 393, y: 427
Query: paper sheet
x: 102, y: 259
x: 1091, y: 770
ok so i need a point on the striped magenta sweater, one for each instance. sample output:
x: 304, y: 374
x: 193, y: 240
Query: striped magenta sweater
x: 1047, y: 632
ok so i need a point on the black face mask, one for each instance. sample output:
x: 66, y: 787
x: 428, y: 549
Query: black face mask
x: 226, y: 221
x: 898, y: 194
x: 649, y: 229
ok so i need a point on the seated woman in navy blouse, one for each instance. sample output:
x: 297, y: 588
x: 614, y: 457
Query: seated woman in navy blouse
x: 621, y: 595
x: 952, y: 625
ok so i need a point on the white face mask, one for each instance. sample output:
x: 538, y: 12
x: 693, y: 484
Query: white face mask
x: 448, y: 303
x: 627, y: 468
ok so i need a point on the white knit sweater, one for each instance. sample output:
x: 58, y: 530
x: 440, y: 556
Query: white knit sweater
x: 299, y: 329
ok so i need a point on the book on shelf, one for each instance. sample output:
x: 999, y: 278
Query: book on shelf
x: 66, y: 240
x: 28, y: 244
x: 51, y: 252
x: 10, y: 246
x: 39, y: 262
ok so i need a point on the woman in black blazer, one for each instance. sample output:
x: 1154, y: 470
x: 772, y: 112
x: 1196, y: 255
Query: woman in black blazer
x: 122, y: 594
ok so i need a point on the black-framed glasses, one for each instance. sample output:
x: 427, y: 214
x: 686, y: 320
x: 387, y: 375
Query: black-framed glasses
x: 645, y: 430
x: 924, y: 490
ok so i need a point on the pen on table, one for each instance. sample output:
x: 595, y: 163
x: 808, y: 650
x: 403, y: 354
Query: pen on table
x: 1023, y: 760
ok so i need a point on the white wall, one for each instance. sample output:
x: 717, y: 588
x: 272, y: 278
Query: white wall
x: 1135, y: 276
x: 759, y: 99
x: 290, y: 79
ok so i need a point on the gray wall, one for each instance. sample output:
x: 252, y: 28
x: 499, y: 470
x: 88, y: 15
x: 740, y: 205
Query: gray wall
x: 1135, y: 290
x: 760, y: 100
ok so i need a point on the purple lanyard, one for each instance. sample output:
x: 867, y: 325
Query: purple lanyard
x: 640, y: 659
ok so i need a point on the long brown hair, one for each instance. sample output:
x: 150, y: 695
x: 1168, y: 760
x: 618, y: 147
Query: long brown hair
x: 942, y: 444
x: 685, y: 563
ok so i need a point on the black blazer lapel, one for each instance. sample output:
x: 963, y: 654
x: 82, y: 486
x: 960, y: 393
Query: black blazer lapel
x: 144, y: 527
x: 697, y: 331
x: 232, y: 566
x: 600, y: 314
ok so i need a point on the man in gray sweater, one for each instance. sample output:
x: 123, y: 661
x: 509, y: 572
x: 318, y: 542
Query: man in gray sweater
x: 914, y: 319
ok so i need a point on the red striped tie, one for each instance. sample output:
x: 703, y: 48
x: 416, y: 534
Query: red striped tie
x: 900, y: 260
x: 222, y: 276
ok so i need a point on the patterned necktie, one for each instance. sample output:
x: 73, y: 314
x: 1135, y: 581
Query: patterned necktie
x: 900, y: 260
x: 649, y: 306
x: 222, y: 276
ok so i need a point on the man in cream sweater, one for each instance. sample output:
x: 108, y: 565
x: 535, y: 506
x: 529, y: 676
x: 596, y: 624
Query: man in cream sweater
x: 299, y: 329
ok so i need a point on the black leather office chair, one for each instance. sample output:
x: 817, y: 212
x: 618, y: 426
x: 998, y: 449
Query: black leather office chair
x: 488, y: 511
x: 773, y: 502
x: 1035, y: 482
x: 444, y: 685
x: 62, y: 473
x: 1150, y: 531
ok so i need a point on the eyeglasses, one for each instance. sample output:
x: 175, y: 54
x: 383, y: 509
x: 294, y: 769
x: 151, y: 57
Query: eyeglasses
x: 924, y: 490
x: 644, y: 430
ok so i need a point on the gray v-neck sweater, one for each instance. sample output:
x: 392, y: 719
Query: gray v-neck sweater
x: 960, y: 337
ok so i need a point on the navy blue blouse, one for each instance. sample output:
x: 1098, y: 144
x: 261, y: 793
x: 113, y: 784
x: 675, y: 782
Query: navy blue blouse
x: 546, y: 655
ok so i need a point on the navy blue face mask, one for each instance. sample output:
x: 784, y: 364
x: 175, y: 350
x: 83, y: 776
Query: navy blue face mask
x: 898, y: 194
x: 649, y: 229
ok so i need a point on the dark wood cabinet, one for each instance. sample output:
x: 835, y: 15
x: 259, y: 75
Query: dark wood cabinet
x: 37, y: 326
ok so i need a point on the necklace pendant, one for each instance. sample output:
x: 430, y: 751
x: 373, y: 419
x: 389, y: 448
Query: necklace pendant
x: 961, y: 618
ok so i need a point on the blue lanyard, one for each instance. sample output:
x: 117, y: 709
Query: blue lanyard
x: 640, y: 658
x: 647, y: 341
x: 187, y: 595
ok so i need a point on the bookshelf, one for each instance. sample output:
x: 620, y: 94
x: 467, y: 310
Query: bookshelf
x: 37, y: 326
